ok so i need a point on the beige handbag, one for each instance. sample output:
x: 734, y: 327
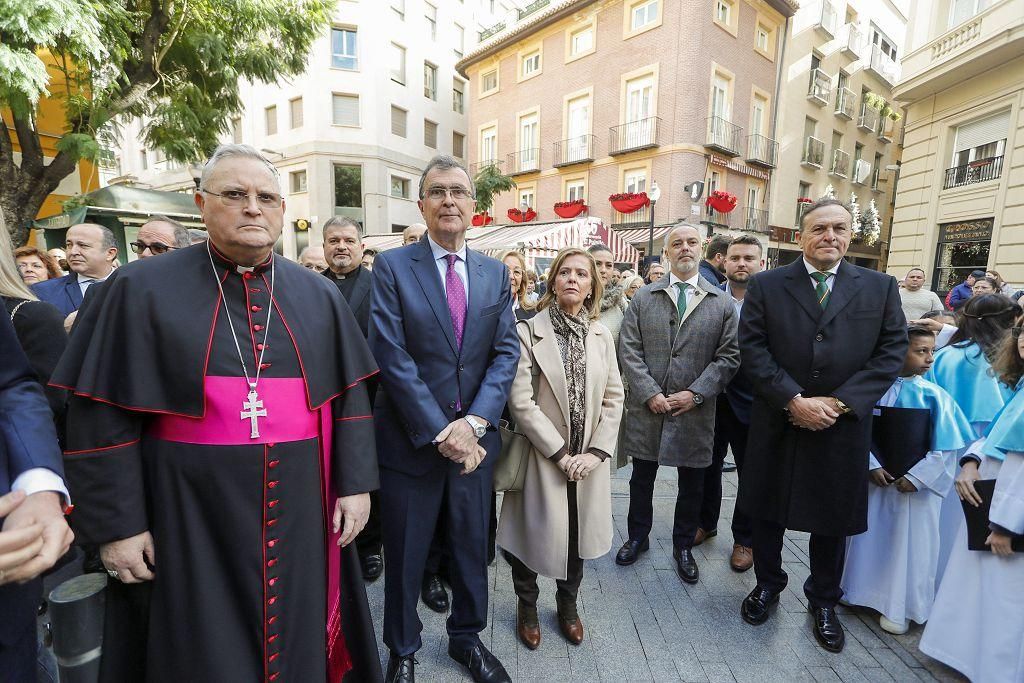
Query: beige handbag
x: 510, y: 470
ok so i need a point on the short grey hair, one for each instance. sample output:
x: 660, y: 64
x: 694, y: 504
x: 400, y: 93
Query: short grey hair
x: 195, y: 235
x: 343, y: 222
x: 306, y: 250
x: 824, y: 201
x: 672, y: 230
x: 181, y: 237
x: 234, y: 150
x: 444, y: 162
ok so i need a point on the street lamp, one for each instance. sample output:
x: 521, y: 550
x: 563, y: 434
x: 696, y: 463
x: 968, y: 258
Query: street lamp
x: 653, y: 195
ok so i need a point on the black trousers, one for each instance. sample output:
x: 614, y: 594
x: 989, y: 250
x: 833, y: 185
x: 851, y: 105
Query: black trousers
x: 18, y: 643
x: 827, y: 553
x: 688, y: 501
x: 369, y: 540
x: 437, y: 559
x: 524, y: 579
x: 729, y: 431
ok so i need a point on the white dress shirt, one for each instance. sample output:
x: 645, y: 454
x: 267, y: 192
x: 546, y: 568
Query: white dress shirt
x: 830, y: 282
x: 84, y: 282
x: 673, y: 291
x: 441, y: 261
x: 39, y: 479
x: 737, y: 303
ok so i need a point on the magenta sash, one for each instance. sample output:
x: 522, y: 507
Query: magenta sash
x: 288, y: 419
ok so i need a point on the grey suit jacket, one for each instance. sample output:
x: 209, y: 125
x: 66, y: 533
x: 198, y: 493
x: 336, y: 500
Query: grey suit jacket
x: 658, y: 353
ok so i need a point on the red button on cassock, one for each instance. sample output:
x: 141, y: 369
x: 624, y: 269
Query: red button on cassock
x: 271, y: 522
x: 271, y: 543
x: 272, y: 581
x: 259, y: 346
x: 271, y: 484
x: 271, y: 563
x: 272, y: 638
x: 273, y: 656
x: 272, y: 600
x: 257, y: 327
x: 273, y: 676
x: 273, y: 463
x: 271, y: 620
x: 247, y: 276
x: 255, y: 308
x: 272, y: 503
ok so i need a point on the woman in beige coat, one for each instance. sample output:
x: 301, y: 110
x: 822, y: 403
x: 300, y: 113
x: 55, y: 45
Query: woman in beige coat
x: 567, y: 399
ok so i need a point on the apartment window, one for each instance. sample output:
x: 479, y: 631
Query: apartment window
x: 962, y: 10
x: 348, y: 186
x: 529, y: 141
x: 295, y: 112
x: 458, y: 96
x: 297, y: 181
x: 429, y: 80
x: 885, y: 45
x: 236, y: 130
x: 399, y: 7
x: 143, y: 160
x: 530, y: 64
x: 643, y: 14
x: 460, y: 41
x: 488, y: 82
x: 639, y: 98
x: 345, y: 110
x: 270, y: 120
x: 804, y: 192
x: 488, y: 145
x: 723, y: 11
x: 981, y: 139
x: 758, y: 115
x: 876, y: 172
x: 398, y: 63
x: 430, y: 14
x: 761, y: 38
x: 398, y: 121
x: 399, y: 187
x: 430, y: 134
x: 343, y: 48
x: 714, y: 181
x: 575, y: 189
x: 635, y: 180
x: 581, y: 41
x: 720, y: 99
x: 527, y: 197
x: 459, y: 145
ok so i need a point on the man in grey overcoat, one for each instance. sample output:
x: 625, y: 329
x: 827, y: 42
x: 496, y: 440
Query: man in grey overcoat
x: 677, y: 351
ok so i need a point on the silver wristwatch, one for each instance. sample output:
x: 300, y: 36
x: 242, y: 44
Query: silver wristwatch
x: 478, y: 429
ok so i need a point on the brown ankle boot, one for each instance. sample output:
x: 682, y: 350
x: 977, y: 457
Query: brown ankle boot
x: 570, y: 624
x: 528, y: 625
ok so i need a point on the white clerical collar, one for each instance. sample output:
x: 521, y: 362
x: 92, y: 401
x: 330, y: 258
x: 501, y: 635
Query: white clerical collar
x: 811, y: 269
x: 440, y: 252
x: 672, y: 279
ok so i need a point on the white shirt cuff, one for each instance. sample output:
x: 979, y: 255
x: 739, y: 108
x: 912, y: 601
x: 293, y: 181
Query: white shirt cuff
x: 41, y: 479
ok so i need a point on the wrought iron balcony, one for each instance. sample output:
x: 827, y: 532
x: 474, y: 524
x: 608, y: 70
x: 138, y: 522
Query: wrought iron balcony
x: 884, y: 66
x: 531, y: 8
x: 846, y: 103
x: 814, y: 152
x: 523, y: 161
x: 640, y: 218
x: 854, y: 42
x: 718, y: 218
x: 762, y: 151
x: 474, y: 169
x: 828, y: 19
x: 840, y: 163
x: 975, y: 172
x: 492, y: 31
x: 755, y: 220
x: 886, y: 126
x: 820, y: 87
x: 635, y: 135
x: 868, y: 118
x: 577, y: 150
x: 723, y: 136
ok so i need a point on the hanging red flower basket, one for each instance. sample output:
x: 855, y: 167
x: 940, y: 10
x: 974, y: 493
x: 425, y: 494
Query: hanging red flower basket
x: 628, y: 202
x: 721, y: 201
x: 481, y: 219
x: 518, y: 216
x: 570, y: 209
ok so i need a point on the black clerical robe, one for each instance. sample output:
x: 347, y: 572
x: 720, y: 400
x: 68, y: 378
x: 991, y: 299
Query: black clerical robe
x: 241, y: 525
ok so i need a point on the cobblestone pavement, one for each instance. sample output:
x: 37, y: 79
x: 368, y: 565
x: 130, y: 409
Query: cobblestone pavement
x: 644, y: 624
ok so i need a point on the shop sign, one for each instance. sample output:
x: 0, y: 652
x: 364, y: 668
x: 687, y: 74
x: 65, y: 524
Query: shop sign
x: 966, y: 231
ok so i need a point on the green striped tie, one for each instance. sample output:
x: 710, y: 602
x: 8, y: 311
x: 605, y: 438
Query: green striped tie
x: 822, y: 289
x: 681, y: 299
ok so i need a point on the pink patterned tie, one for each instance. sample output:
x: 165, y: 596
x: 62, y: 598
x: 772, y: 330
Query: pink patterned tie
x: 456, y: 298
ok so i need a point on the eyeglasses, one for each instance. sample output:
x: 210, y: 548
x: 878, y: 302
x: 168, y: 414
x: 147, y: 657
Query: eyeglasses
x: 265, y: 200
x: 437, y: 192
x: 156, y: 247
x: 314, y: 266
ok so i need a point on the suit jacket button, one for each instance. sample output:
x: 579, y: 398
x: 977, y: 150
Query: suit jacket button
x: 452, y: 405
x: 820, y: 337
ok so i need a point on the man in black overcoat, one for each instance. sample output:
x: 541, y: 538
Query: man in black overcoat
x: 822, y: 340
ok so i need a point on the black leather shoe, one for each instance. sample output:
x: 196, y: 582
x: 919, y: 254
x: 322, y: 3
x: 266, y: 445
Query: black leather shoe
x: 630, y: 551
x: 827, y: 628
x: 686, y: 566
x: 756, y: 606
x: 483, y: 666
x: 434, y: 595
x: 373, y: 567
x: 401, y: 669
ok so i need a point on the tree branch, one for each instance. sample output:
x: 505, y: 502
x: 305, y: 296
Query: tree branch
x: 31, y: 151
x: 175, y: 32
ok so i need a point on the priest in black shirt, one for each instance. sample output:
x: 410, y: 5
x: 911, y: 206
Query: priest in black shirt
x: 220, y: 445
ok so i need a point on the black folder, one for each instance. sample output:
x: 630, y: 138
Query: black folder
x: 977, y: 518
x: 900, y: 438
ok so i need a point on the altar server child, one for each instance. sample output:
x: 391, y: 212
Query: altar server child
x: 918, y: 434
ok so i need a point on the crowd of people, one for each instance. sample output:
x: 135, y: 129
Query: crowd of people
x: 240, y: 442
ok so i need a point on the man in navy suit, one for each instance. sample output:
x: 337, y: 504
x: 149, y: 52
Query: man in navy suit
x: 444, y: 383
x: 34, y: 534
x: 91, y: 250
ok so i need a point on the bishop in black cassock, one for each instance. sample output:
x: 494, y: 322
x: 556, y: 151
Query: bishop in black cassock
x: 237, y: 491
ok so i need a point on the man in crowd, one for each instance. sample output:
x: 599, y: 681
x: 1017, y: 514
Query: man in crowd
x: 368, y: 256
x: 677, y: 351
x: 313, y: 258
x: 655, y: 271
x: 195, y: 235
x: 220, y: 428
x: 821, y: 340
x: 915, y: 299
x: 159, y: 235
x: 959, y: 295
x: 91, y: 254
x: 413, y: 233
x: 445, y: 383
x: 712, y: 267
x: 34, y: 534
x: 743, y: 259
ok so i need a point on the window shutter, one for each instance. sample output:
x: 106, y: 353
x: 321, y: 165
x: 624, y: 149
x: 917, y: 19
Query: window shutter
x: 982, y: 132
x: 346, y: 110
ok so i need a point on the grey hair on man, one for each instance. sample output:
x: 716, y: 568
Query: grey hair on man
x: 234, y: 150
x: 196, y: 235
x: 182, y: 238
x: 677, y: 226
x: 343, y: 222
x: 445, y: 162
x: 824, y: 201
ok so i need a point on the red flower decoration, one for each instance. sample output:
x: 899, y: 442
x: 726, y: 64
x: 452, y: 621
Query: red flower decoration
x: 570, y: 209
x: 721, y: 201
x: 628, y: 202
x: 518, y: 216
x: 481, y: 219
x: 804, y: 200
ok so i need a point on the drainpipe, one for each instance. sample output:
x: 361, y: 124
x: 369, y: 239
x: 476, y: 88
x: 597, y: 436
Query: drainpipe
x: 780, y: 65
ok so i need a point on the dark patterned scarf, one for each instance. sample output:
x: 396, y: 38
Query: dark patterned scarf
x: 571, y: 335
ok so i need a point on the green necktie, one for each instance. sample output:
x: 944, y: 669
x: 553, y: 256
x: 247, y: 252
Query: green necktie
x: 822, y: 289
x: 681, y: 299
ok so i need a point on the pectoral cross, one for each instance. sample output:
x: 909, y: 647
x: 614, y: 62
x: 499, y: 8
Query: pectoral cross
x: 251, y: 410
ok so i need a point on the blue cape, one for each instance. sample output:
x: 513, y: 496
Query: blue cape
x: 966, y: 374
x: 1006, y: 433
x: 951, y: 430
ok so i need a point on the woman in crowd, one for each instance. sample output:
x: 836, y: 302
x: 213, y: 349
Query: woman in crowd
x: 613, y: 301
x: 978, y: 617
x: 531, y: 286
x: 1002, y: 286
x: 521, y: 304
x: 963, y: 369
x: 35, y: 265
x: 632, y: 286
x: 567, y: 399
x: 985, y: 285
